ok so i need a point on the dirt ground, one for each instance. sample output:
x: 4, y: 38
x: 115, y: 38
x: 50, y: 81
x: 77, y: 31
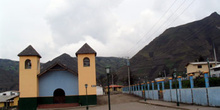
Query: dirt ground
x: 118, y: 102
x: 121, y: 102
x: 116, y: 99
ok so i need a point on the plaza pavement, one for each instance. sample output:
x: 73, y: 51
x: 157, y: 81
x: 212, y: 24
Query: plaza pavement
x: 181, y: 105
x: 120, y: 106
x: 130, y: 102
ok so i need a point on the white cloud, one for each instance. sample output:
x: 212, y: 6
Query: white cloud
x: 111, y: 27
x: 80, y: 18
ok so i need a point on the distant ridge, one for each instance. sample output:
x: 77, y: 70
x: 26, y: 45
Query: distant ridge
x: 177, y: 46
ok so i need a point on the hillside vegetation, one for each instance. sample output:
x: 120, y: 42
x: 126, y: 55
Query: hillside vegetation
x: 177, y: 46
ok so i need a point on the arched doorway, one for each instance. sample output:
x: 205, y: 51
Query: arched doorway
x: 59, y: 96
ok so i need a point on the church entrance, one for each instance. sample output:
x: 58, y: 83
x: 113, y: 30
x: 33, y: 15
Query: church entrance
x: 59, y: 96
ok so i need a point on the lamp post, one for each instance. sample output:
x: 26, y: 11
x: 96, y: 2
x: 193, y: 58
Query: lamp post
x: 145, y: 77
x: 175, y: 76
x: 108, y: 70
x: 87, y: 107
x: 129, y: 77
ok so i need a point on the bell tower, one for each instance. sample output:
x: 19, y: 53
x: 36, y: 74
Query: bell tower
x: 86, y: 70
x: 29, y: 68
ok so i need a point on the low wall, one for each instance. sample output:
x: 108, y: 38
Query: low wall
x: 186, y: 96
x: 167, y: 95
x: 199, y: 96
x: 214, y: 96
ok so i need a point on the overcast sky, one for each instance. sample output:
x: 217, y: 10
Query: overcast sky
x: 117, y: 28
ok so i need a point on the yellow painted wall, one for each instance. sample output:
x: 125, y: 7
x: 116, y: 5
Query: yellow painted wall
x: 28, y: 81
x: 87, y: 75
x: 15, y: 103
x: 2, y: 104
x: 194, y: 68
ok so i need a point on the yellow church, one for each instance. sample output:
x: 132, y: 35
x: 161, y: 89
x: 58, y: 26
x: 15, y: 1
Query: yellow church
x: 60, y: 81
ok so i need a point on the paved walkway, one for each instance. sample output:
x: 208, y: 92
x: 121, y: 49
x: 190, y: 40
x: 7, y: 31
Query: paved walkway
x: 182, y: 106
x: 121, y: 106
x: 130, y: 102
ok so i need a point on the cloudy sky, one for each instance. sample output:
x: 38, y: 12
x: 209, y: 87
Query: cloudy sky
x: 117, y: 28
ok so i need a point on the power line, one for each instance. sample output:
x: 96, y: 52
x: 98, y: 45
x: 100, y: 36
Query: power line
x: 160, y: 26
x: 181, y: 13
x: 152, y: 26
x: 177, y: 16
x: 166, y: 20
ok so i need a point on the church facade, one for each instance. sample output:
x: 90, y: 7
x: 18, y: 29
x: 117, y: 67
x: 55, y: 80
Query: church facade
x: 61, y: 80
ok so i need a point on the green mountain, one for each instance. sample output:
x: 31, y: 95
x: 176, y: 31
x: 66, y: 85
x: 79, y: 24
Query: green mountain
x: 177, y: 46
x: 8, y: 75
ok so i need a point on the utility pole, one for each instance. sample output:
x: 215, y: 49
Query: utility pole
x: 175, y: 77
x: 128, y: 64
x: 214, y: 54
x: 208, y: 66
x: 112, y: 83
x: 145, y: 81
x: 165, y: 74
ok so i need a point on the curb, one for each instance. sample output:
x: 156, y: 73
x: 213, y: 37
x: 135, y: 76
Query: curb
x: 163, y: 105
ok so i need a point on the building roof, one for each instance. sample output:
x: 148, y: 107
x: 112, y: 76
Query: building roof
x: 217, y: 66
x: 6, y: 98
x: 201, y: 63
x: 85, y: 49
x: 110, y: 86
x: 29, y: 51
x: 64, y: 61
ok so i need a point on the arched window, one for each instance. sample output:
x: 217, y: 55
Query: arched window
x: 86, y: 62
x: 28, y: 64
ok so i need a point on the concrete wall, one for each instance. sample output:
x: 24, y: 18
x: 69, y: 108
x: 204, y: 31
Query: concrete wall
x: 15, y: 102
x: 151, y: 96
x: 28, y: 83
x: 194, y: 67
x: 199, y: 96
x: 140, y: 93
x: 147, y: 94
x: 53, y: 80
x: 166, y: 95
x: 2, y: 104
x: 186, y: 95
x: 99, y: 90
x: 213, y: 96
x: 87, y: 74
x: 155, y: 94
x: 173, y: 95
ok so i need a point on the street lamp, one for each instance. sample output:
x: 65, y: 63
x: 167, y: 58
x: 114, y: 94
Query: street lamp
x: 145, y: 77
x: 87, y: 107
x: 108, y: 70
x: 175, y: 77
